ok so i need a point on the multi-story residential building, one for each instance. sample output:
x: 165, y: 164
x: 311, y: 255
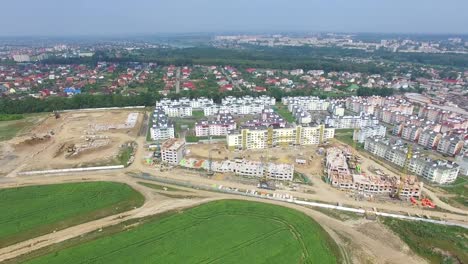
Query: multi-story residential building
x: 306, y: 103
x: 462, y: 161
x: 440, y: 171
x: 220, y: 127
x: 282, y: 172
x: 429, y: 139
x: 173, y: 151
x: 261, y: 100
x: 262, y: 137
x: 336, y: 109
x: 363, y: 133
x: 340, y: 176
x: 211, y: 109
x: 348, y: 122
x: 162, y: 128
x: 240, y: 106
x: 411, y: 133
x: 450, y: 145
x: 269, y: 118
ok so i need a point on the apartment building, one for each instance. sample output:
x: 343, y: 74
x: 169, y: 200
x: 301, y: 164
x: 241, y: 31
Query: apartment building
x: 439, y: 171
x: 260, y: 100
x: 411, y: 133
x: 263, y: 137
x: 162, y: 128
x: 450, y: 145
x: 360, y: 135
x: 349, y: 122
x: 306, y: 103
x: 273, y: 171
x: 340, y: 176
x: 219, y: 127
x: 173, y: 151
x: 268, y: 118
x: 429, y: 139
x: 336, y: 109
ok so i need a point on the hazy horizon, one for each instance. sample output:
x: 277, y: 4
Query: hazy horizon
x: 145, y: 17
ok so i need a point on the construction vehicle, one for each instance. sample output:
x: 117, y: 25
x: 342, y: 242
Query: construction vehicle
x: 56, y: 114
x: 427, y: 203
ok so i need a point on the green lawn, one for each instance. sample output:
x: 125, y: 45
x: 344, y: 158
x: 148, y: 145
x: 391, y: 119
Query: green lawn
x: 198, y: 114
x: 460, y: 189
x: 429, y: 240
x: 125, y: 155
x: 194, y: 139
x: 218, y: 232
x: 345, y: 136
x: 27, y: 212
x: 10, y: 128
x: 283, y: 111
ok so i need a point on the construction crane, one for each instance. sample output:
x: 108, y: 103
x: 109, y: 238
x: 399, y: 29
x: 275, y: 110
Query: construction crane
x: 409, y: 155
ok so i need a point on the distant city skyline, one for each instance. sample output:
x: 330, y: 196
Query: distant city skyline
x: 118, y: 17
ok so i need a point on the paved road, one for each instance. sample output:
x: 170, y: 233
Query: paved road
x: 177, y: 83
x: 231, y: 80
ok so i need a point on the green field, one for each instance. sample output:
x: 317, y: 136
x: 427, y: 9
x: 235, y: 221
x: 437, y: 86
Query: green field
x: 346, y: 136
x: 460, y: 191
x: 27, y: 212
x: 12, y: 125
x: 283, y: 111
x: 218, y: 232
x: 436, y: 243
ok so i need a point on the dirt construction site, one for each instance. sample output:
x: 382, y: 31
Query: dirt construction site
x: 94, y: 138
x: 71, y: 139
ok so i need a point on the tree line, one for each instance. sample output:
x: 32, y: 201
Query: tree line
x: 80, y: 101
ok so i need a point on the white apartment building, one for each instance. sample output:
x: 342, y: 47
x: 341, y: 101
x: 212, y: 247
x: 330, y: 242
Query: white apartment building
x: 440, y: 171
x: 261, y: 100
x: 161, y: 132
x: 280, y: 172
x: 307, y: 103
x: 348, y: 122
x: 21, y: 58
x: 173, y: 151
x: 162, y: 128
x: 363, y: 133
x: 214, y: 128
x: 429, y: 139
x: 211, y: 109
x: 450, y: 145
x: 178, y: 110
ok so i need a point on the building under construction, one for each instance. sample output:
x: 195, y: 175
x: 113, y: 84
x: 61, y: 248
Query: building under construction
x: 340, y: 175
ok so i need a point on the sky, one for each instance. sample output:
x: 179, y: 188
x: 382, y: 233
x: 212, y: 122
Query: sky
x: 119, y: 17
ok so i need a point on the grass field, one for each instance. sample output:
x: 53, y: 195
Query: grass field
x: 283, y: 111
x: 436, y: 243
x: 460, y: 189
x: 346, y: 136
x: 27, y: 212
x: 20, y: 124
x: 218, y: 232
